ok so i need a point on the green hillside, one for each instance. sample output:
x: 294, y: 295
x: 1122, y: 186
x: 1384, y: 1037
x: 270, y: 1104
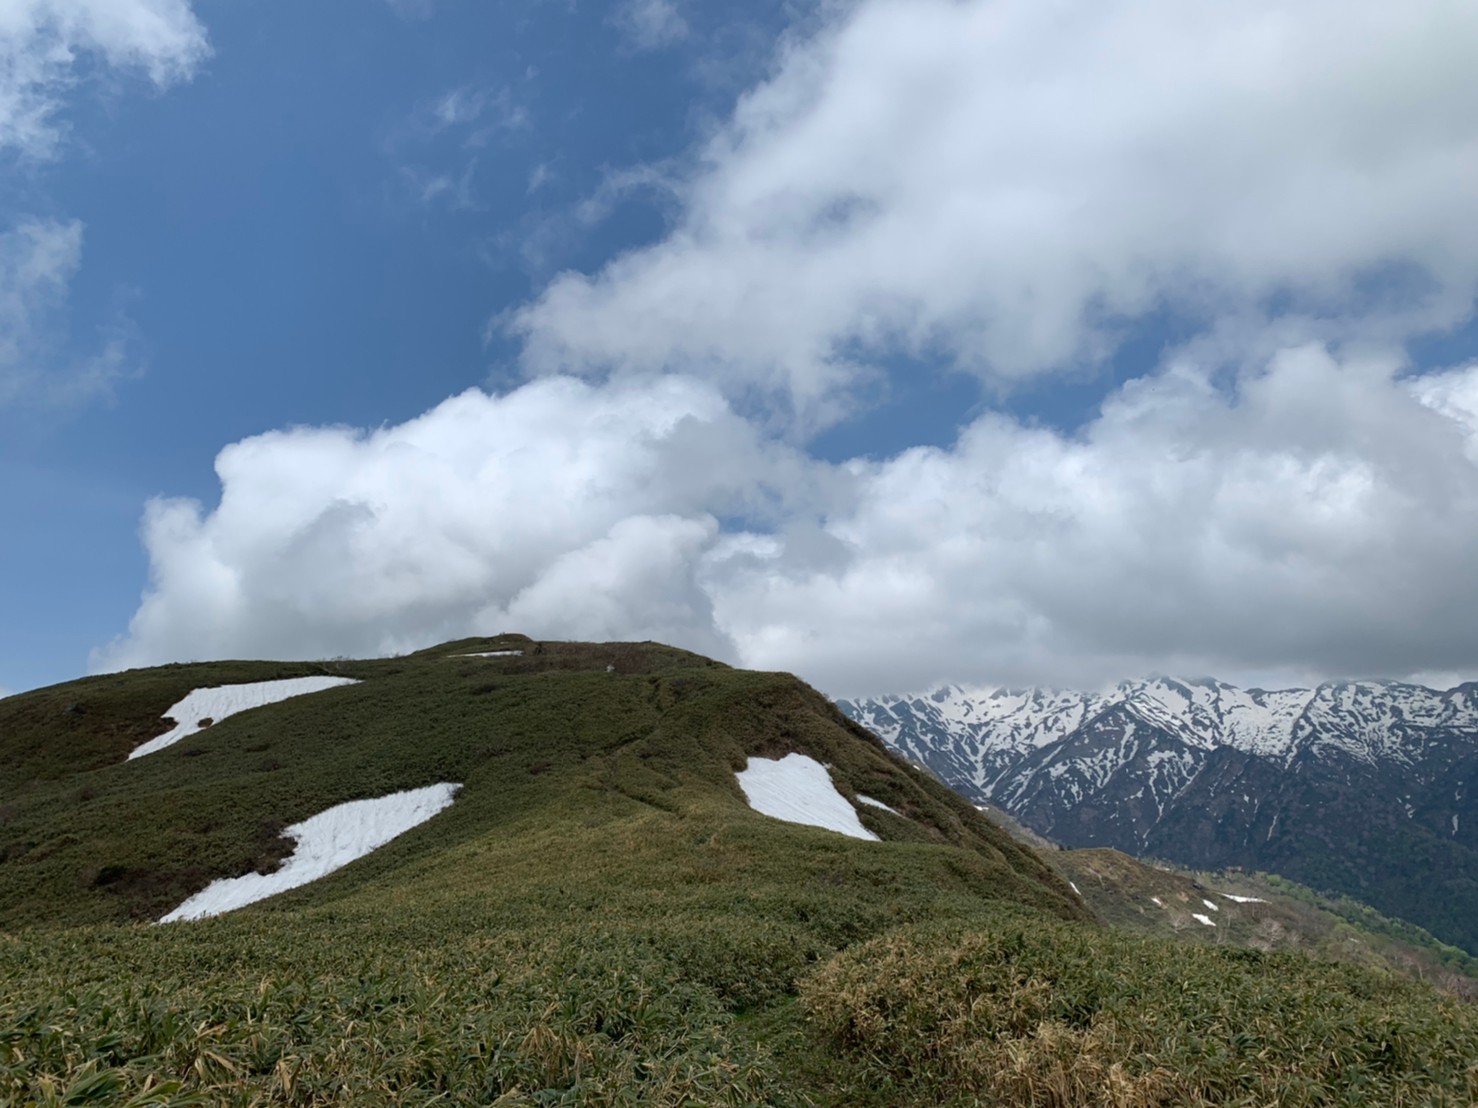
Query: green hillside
x: 600, y: 918
x: 1259, y: 911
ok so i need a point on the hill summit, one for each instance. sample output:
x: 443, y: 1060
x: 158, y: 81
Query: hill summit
x: 518, y: 872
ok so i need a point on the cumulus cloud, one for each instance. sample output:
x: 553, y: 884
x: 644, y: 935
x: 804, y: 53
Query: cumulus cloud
x: 38, y: 259
x: 48, y: 46
x: 559, y: 509
x: 1001, y: 186
x: 1317, y: 520
x: 1005, y: 184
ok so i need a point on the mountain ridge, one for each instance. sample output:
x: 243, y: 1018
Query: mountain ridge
x: 1206, y: 774
x: 1279, y: 728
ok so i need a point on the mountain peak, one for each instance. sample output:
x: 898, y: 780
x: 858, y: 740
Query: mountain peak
x: 1209, y: 774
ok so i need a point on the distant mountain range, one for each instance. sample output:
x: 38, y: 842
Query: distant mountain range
x: 1363, y: 788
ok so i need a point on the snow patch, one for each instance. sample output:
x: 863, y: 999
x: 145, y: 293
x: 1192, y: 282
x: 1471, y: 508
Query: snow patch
x: 876, y: 804
x: 1199, y: 918
x: 220, y: 701
x: 495, y: 654
x: 326, y: 842
x: 1158, y: 901
x: 797, y: 789
x: 1075, y: 888
x: 1244, y: 899
x: 1209, y: 904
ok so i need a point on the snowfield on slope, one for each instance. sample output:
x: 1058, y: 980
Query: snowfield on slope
x: 797, y: 789
x: 326, y: 842
x: 220, y: 701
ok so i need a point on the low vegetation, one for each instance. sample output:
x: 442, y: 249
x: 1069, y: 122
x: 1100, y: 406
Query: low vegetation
x: 1272, y: 914
x: 1041, y: 1013
x: 600, y: 919
x: 1406, y: 942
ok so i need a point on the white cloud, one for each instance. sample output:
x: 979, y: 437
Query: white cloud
x: 456, y: 191
x: 37, y: 262
x: 437, y: 145
x: 470, y: 106
x: 48, y: 46
x: 1319, y: 521
x: 1005, y: 182
x: 651, y: 24
x: 540, y: 176
x: 38, y: 259
x: 559, y: 509
x: 637, y: 582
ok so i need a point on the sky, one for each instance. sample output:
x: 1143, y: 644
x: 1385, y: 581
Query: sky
x: 890, y: 342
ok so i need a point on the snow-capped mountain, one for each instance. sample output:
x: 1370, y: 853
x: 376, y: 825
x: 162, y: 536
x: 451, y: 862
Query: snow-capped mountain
x: 1358, y: 787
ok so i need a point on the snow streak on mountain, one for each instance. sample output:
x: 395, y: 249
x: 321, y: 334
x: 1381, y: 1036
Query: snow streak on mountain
x: 1359, y: 787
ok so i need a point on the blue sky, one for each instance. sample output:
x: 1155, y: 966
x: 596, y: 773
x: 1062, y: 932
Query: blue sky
x: 259, y: 235
x: 888, y: 344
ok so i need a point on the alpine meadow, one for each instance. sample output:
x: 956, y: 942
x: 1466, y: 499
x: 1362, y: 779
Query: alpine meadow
x: 600, y: 916
x: 805, y: 553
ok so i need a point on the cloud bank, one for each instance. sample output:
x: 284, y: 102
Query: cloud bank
x: 574, y: 510
x: 1319, y: 519
x: 1316, y: 522
x: 1007, y: 184
x: 996, y: 187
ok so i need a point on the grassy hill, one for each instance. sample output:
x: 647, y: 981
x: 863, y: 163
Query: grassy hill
x: 600, y: 918
x: 1259, y: 911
